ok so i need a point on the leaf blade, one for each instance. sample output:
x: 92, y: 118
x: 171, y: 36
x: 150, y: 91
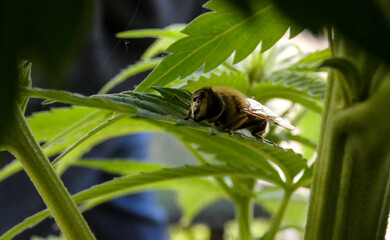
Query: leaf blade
x: 231, y: 31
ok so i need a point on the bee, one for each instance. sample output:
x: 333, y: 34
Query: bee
x: 230, y: 110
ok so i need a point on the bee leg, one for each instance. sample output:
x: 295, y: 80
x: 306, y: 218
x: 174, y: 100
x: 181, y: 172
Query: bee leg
x: 187, y: 104
x: 188, y: 115
x: 264, y: 140
x: 258, y: 133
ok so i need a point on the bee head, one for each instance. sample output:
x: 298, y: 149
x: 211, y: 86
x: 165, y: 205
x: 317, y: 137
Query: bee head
x: 205, y: 105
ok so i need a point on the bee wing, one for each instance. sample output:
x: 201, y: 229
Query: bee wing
x: 257, y: 109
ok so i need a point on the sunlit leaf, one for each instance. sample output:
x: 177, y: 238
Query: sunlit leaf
x: 234, y: 80
x: 232, y: 31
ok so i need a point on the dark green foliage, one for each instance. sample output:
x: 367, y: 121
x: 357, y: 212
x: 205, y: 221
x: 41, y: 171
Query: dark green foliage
x: 8, y: 89
x: 363, y: 22
x: 45, y: 32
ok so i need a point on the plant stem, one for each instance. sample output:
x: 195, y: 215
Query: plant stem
x: 219, y: 180
x: 87, y: 136
x: 244, y: 203
x: 22, y: 144
x: 275, y: 226
x: 351, y: 181
x: 244, y: 206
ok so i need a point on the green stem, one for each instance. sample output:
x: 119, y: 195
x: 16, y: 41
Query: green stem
x: 350, y: 187
x: 244, y: 206
x: 275, y: 226
x: 219, y: 180
x: 22, y: 144
x: 87, y: 136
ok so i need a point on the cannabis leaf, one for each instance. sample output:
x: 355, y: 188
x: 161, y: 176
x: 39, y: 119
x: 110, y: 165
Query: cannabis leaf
x: 214, y: 36
x: 307, y: 89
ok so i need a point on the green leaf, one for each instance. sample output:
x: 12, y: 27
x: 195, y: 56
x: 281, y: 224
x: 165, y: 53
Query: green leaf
x: 231, y: 31
x: 10, y: 169
x: 172, y: 31
x: 123, y: 127
x: 242, y: 151
x: 58, y: 128
x: 145, y: 105
x: 304, y: 88
x: 85, y: 138
x: 171, y: 94
x: 47, y: 124
x: 118, y: 185
x: 305, y: 180
x: 118, y: 166
x: 225, y: 148
x: 62, y: 127
x: 103, y: 101
x: 165, y: 37
x: 259, y: 63
x: 234, y: 80
x: 157, y: 47
x: 312, y: 61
